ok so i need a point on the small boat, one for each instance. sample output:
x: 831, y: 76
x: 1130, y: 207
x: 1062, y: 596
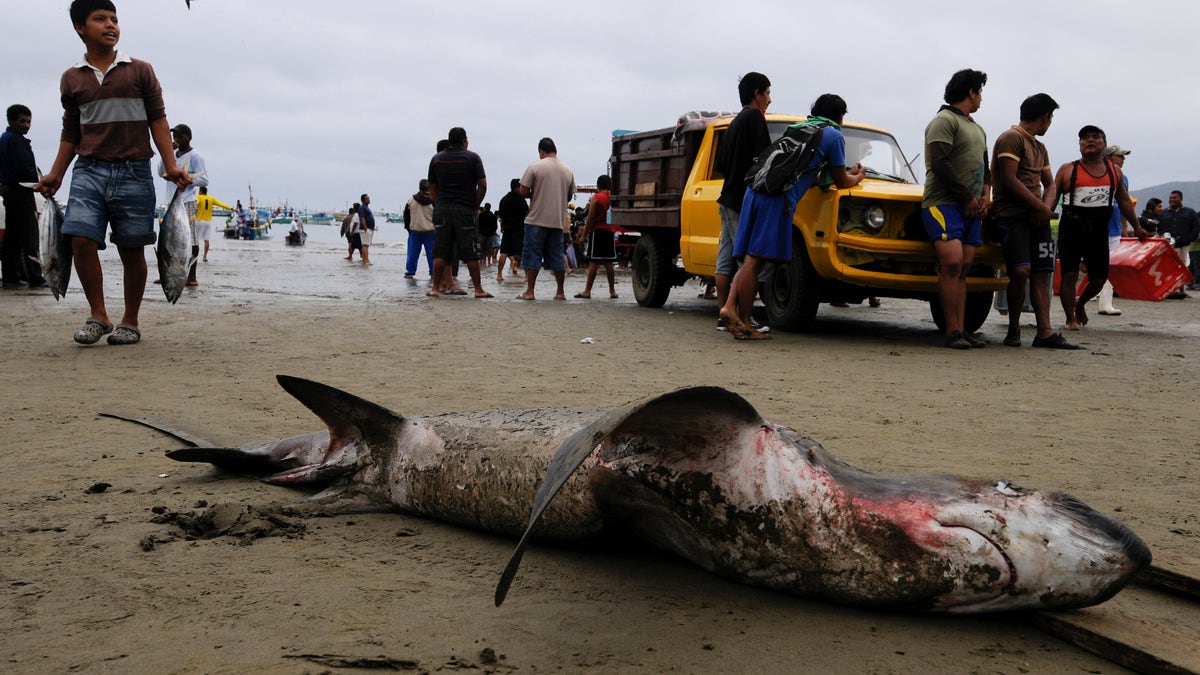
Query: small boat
x: 296, y: 236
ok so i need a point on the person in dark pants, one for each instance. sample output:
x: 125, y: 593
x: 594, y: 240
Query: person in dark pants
x: 19, y: 247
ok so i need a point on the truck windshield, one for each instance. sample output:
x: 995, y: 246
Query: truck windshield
x: 877, y: 151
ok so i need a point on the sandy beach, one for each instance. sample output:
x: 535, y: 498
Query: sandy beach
x: 109, y: 580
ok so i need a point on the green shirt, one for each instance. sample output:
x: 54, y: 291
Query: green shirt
x: 968, y: 155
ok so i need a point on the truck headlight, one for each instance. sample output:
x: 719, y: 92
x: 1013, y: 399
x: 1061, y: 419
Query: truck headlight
x: 875, y: 219
x: 868, y: 216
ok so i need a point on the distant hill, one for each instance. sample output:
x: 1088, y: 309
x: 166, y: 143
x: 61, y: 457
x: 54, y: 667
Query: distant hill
x: 1189, y: 188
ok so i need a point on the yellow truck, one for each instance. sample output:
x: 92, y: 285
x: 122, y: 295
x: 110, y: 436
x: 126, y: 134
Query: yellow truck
x: 848, y: 245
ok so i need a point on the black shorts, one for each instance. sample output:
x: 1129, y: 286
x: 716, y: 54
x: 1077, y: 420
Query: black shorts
x: 1083, y: 239
x: 601, y: 246
x: 455, y: 233
x: 1026, y: 242
x: 512, y: 240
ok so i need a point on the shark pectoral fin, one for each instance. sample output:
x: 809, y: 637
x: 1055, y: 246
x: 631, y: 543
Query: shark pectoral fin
x: 569, y: 457
x: 674, y: 408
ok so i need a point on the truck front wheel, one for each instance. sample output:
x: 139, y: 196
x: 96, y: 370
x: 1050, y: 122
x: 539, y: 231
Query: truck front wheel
x: 651, y: 270
x: 792, y: 291
x: 979, y: 305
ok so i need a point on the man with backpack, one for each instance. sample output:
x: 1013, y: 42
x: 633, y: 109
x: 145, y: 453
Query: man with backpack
x: 764, y: 230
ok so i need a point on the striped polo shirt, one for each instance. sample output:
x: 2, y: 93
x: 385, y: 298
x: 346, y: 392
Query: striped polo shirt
x: 106, y: 115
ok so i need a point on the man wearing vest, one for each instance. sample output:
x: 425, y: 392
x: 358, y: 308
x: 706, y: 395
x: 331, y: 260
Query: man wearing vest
x: 1088, y: 186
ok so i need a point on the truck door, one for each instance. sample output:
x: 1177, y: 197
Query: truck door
x: 699, y: 220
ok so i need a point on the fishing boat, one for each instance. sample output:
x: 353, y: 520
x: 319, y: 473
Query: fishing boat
x: 320, y: 218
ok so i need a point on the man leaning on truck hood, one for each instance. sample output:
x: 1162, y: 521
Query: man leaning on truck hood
x: 765, y: 225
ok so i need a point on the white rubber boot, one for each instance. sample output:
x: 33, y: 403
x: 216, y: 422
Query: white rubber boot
x: 1106, y: 298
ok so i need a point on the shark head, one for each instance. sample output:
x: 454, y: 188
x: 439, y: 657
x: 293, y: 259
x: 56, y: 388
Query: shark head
x: 1060, y: 553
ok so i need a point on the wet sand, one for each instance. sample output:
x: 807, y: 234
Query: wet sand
x: 110, y: 582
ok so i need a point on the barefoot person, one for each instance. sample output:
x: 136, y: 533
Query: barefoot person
x: 1089, y: 187
x: 112, y: 184
x: 764, y: 229
x: 549, y: 184
x: 366, y: 231
x: 601, y: 240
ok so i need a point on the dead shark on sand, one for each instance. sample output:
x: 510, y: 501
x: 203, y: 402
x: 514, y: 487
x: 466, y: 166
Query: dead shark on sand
x: 700, y: 473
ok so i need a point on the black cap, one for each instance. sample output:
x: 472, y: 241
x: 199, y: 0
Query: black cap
x: 1091, y: 129
x: 182, y: 129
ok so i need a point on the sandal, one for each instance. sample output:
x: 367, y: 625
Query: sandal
x: 92, y: 331
x: 125, y: 334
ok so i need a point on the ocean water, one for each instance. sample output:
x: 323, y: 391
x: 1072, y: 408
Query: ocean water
x: 390, y: 239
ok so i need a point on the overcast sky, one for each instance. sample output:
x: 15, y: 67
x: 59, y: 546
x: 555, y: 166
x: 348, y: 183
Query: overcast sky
x: 317, y: 102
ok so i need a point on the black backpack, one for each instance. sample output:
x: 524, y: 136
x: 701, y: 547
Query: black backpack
x: 782, y: 163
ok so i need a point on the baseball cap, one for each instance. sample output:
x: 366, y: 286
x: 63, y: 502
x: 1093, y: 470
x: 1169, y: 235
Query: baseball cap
x: 1116, y: 150
x: 1091, y: 129
x: 182, y: 129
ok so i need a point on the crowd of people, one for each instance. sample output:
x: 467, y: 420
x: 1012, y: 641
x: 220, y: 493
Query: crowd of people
x: 450, y: 224
x: 1016, y: 191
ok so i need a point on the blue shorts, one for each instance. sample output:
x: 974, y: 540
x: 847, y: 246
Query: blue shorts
x: 764, y: 227
x: 543, y: 248
x: 945, y: 222
x: 120, y: 194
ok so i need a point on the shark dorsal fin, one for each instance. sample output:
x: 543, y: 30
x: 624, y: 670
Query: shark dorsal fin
x: 347, y: 416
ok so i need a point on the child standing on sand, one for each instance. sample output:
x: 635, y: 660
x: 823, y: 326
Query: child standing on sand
x: 113, y: 109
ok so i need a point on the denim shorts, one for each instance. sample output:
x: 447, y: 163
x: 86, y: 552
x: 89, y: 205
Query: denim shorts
x: 543, y: 248
x: 120, y: 194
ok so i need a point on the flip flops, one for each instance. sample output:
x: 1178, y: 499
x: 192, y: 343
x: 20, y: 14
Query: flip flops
x: 125, y: 334
x: 92, y: 331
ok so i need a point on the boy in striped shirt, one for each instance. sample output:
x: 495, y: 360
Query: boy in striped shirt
x: 113, y: 110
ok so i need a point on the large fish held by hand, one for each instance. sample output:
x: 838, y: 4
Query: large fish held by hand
x: 175, y: 249
x: 700, y: 473
x: 54, y: 250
